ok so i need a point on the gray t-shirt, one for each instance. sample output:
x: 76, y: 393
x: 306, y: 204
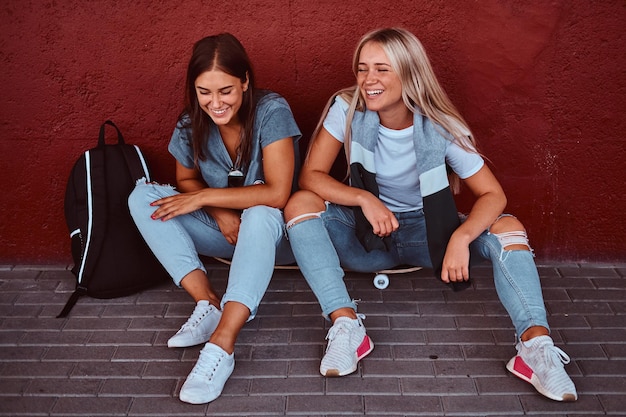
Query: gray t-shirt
x: 273, y: 121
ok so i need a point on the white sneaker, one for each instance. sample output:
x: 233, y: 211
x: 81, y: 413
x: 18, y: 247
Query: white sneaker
x: 347, y: 345
x: 198, y: 328
x: 207, y: 378
x: 542, y: 365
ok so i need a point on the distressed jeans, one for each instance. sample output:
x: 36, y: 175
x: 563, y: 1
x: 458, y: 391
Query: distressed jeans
x: 177, y: 242
x: 324, y: 244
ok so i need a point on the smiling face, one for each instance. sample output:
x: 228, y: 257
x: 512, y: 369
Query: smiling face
x: 220, y: 96
x: 381, y: 87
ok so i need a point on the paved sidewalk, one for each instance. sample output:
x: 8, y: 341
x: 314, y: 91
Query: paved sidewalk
x: 437, y: 352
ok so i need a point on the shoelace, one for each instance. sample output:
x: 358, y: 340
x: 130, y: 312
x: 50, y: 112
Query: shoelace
x: 208, y: 362
x: 198, y: 314
x: 554, y: 356
x: 338, y: 328
x: 335, y: 330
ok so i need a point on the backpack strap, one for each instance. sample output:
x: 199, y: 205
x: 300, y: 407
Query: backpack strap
x: 78, y: 292
x: 97, y: 211
x: 132, y: 154
x: 97, y: 214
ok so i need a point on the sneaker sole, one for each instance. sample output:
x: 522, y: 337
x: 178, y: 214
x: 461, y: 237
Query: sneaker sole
x: 521, y: 370
x: 172, y: 343
x: 365, y: 348
x: 190, y: 399
x: 191, y: 343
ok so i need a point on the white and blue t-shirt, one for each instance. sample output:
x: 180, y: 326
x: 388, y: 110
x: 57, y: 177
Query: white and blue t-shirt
x: 395, y: 160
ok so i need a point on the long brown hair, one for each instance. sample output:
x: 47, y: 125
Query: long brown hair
x: 225, y: 53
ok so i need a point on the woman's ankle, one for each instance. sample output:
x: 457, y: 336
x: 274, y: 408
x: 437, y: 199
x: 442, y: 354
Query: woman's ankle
x: 342, y: 312
x: 533, y: 332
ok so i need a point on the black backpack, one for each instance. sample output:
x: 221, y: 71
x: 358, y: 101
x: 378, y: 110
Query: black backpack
x: 111, y: 259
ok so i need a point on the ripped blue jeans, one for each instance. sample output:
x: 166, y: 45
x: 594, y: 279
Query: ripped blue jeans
x: 324, y: 244
x: 177, y: 242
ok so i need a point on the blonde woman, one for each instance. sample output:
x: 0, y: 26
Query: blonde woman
x: 403, y: 140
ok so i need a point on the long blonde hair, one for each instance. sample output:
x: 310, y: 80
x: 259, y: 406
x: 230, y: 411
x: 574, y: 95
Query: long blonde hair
x: 421, y: 91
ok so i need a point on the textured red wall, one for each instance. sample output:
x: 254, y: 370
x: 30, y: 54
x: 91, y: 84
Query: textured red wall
x: 541, y: 83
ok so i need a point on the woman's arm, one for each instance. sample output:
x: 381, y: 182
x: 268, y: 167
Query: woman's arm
x: 490, y: 203
x: 278, y: 167
x: 228, y: 220
x: 315, y: 177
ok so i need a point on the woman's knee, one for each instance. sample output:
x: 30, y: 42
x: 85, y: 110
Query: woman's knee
x: 145, y: 193
x: 304, y: 202
x: 260, y: 214
x: 138, y: 198
x: 506, y: 223
x: 262, y: 221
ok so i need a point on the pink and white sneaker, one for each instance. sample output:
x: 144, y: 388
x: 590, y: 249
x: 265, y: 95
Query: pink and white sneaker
x: 541, y: 364
x: 347, y: 345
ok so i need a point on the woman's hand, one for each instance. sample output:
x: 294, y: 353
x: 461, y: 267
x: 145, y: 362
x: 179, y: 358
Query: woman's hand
x: 380, y: 217
x: 490, y: 201
x: 228, y: 221
x: 455, y: 267
x: 169, y: 207
x: 176, y: 205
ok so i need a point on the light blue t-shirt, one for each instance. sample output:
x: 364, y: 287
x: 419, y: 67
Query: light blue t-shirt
x: 273, y: 121
x: 395, y: 160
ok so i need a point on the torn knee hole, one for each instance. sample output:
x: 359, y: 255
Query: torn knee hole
x: 301, y: 218
x: 516, y: 240
x: 510, y: 233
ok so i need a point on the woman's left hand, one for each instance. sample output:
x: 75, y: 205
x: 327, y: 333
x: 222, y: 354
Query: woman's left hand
x: 380, y: 217
x: 455, y: 267
x: 176, y: 205
x: 490, y: 201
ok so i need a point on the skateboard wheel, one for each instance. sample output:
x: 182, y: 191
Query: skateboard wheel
x: 381, y: 281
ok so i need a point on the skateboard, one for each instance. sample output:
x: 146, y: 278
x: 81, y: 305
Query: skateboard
x: 381, y: 278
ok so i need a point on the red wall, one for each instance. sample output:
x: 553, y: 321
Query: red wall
x: 542, y: 83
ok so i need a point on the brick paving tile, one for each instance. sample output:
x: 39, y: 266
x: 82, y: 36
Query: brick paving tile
x: 437, y: 352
